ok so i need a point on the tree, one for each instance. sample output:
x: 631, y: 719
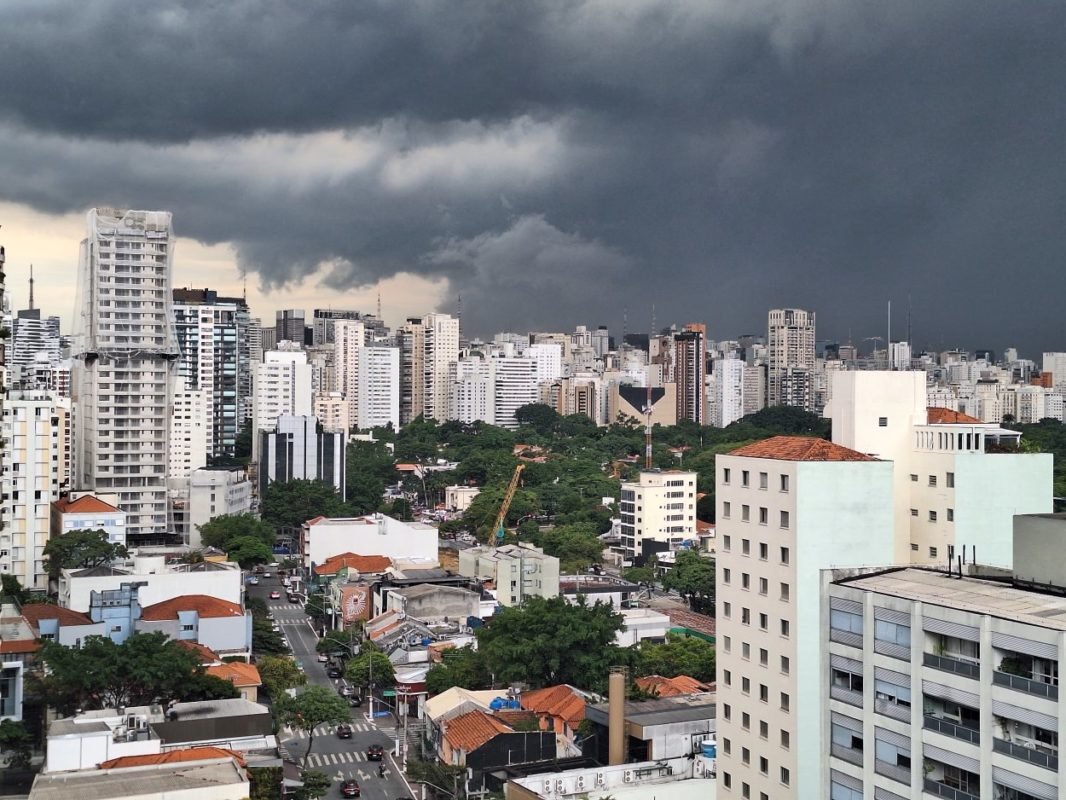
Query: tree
x: 639, y: 574
x: 249, y: 551
x: 265, y: 640
x: 289, y: 504
x: 222, y: 531
x: 340, y: 640
x: 201, y: 686
x: 279, y: 674
x: 80, y: 549
x: 317, y: 607
x: 549, y: 640
x: 693, y: 577
x: 314, y: 706
x: 315, y: 784
x: 369, y: 468
x: 541, y: 418
x: 144, y: 669
x: 460, y: 666
x: 678, y: 655
x: 576, y: 546
x: 370, y: 663
x: 16, y: 742
x: 12, y: 589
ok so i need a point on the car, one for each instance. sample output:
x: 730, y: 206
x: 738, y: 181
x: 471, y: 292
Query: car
x: 275, y: 595
x: 344, y: 731
x: 350, y: 788
x: 375, y: 752
x: 266, y: 573
x: 355, y: 700
x: 333, y: 672
x: 285, y: 582
x: 254, y: 581
x: 322, y: 658
x: 294, y: 598
x: 347, y: 691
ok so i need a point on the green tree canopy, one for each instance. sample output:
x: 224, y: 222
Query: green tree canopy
x: 315, y: 784
x: 339, y: 640
x: 678, y: 655
x: 576, y: 546
x: 289, y: 504
x: 461, y: 666
x: 370, y: 663
x: 249, y: 551
x: 224, y: 530
x: 11, y: 589
x: 693, y: 577
x: 147, y: 667
x: 201, y: 686
x: 550, y: 641
x: 279, y: 674
x: 540, y: 417
x: 369, y: 469
x: 265, y: 640
x: 314, y: 706
x: 80, y: 549
x: 16, y: 742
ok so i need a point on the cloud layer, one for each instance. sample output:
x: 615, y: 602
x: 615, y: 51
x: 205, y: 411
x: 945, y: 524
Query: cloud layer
x: 559, y: 162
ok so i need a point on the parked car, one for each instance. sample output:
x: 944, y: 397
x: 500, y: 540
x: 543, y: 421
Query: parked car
x: 266, y: 573
x: 350, y: 788
x: 333, y: 672
x: 355, y: 700
x: 322, y: 658
x: 275, y: 595
x: 347, y: 691
x: 294, y: 598
x: 344, y: 731
x: 375, y: 752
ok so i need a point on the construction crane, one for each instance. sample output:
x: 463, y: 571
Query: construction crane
x: 505, y: 506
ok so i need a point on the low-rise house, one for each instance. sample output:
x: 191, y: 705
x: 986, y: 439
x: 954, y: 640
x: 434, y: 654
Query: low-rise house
x: 672, y: 687
x: 18, y: 644
x: 642, y: 624
x: 558, y: 708
x: 663, y: 728
x: 323, y: 537
x: 484, y: 744
x: 598, y: 589
x: 517, y: 571
x: 431, y: 603
x: 245, y: 677
x: 193, y: 774
x: 86, y: 511
x: 92, y: 737
x: 224, y: 627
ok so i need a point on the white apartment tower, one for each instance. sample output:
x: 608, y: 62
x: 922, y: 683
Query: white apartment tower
x: 349, y: 340
x: 125, y: 355
x: 379, y: 388
x: 787, y: 508
x: 790, y: 345
x: 190, y: 430
x: 429, y: 345
x: 282, y: 385
x: 658, y: 513
x: 727, y: 401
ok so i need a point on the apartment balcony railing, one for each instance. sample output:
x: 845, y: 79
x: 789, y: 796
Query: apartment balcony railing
x: 944, y: 664
x: 1028, y: 754
x: 1027, y: 685
x: 893, y: 771
x: 938, y: 789
x: 848, y: 754
x: 894, y: 710
x: 953, y: 729
x: 846, y: 637
x: 849, y: 696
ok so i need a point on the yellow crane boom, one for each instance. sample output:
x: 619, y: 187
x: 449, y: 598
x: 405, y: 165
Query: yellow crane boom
x: 505, y: 506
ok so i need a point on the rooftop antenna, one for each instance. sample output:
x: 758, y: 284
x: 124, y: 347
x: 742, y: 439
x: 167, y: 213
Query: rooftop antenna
x: 888, y: 342
x: 31, y: 287
x: 379, y: 303
x: 244, y: 289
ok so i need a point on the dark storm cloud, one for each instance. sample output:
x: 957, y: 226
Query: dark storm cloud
x: 558, y: 161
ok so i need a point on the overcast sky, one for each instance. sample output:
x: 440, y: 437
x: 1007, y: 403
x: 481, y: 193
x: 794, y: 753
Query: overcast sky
x: 559, y: 162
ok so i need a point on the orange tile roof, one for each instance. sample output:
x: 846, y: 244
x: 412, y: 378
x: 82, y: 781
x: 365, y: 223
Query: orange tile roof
x: 692, y: 620
x: 236, y: 672
x: 560, y: 701
x: 335, y: 564
x: 19, y: 646
x: 207, y: 655
x: 672, y: 687
x: 202, y: 604
x: 86, y: 504
x: 471, y: 730
x: 172, y: 757
x: 799, y: 448
x: 946, y: 416
x: 33, y: 613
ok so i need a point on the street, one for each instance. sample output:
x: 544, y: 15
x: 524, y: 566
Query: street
x: 339, y: 758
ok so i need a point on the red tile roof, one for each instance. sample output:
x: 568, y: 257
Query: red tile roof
x: 562, y: 701
x: 353, y: 561
x: 672, y: 687
x: 19, y: 646
x: 799, y: 448
x: 693, y: 621
x: 172, y: 757
x: 86, y: 504
x: 471, y: 730
x: 33, y: 613
x: 202, y: 604
x: 236, y: 672
x: 946, y: 416
x: 206, y: 654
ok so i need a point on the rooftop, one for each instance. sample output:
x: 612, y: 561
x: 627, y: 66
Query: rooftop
x: 799, y: 448
x: 471, y: 730
x: 662, y: 710
x: 561, y: 701
x: 690, y: 620
x: 672, y: 687
x: 33, y: 613
x: 206, y: 654
x: 136, y: 781
x: 183, y: 755
x: 236, y: 672
x: 976, y: 595
x: 86, y: 504
x: 202, y: 604
x: 935, y: 415
x: 353, y: 561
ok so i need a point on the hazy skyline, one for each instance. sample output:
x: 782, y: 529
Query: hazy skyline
x: 557, y: 162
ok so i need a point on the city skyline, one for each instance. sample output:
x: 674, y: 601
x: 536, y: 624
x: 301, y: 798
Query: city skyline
x: 708, y: 158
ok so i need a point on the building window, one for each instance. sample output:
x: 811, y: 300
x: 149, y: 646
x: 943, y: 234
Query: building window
x: 727, y: 643
x: 745, y: 616
x: 764, y: 729
x: 727, y: 677
x: 745, y: 513
x: 882, y: 422
x: 914, y: 512
x: 727, y: 542
x: 914, y: 478
x: 786, y: 739
x: 764, y: 693
x: 784, y: 555
x: 784, y: 701
x: 745, y: 720
x: 846, y: 680
x: 891, y: 693
x: 764, y: 656
x: 764, y: 550
x: 784, y: 519
x: 745, y: 651
x: 726, y: 509
x: 785, y: 628
x: 727, y: 780
x: 727, y: 609
x: 764, y: 515
x: 764, y: 622
x: 932, y: 480
x: 764, y: 480
x: 725, y: 475
x: 764, y: 765
x: 726, y: 575
x: 727, y: 746
x: 951, y: 515
x: 727, y: 711
x: 764, y: 586
x: 932, y: 516
x: 745, y: 791
x: 914, y: 546
x: 745, y: 755
x: 745, y: 478
x: 892, y: 632
x: 745, y: 685
x: 745, y: 547
x: 845, y: 621
x: 932, y: 552
x: 785, y: 777
x: 950, y: 480
x: 745, y: 581
x: 784, y: 592
x: 784, y: 483
x: 784, y: 665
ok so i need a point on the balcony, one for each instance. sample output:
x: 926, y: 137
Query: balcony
x: 845, y: 695
x: 849, y: 754
x: 1032, y: 755
x: 938, y: 789
x: 894, y: 710
x: 1027, y: 685
x: 967, y: 669
x: 952, y: 729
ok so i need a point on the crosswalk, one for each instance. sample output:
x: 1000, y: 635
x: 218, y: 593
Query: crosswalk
x: 327, y: 730
x: 332, y: 759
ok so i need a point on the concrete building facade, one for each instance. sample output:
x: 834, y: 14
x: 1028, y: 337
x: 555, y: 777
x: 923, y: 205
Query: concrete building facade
x: 658, y: 513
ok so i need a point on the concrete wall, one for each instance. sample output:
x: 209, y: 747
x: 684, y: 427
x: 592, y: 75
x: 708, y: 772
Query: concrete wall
x: 395, y: 539
x: 226, y: 585
x: 85, y: 751
x: 1035, y: 536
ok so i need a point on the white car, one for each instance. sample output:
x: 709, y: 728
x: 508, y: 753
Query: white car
x: 322, y: 658
x: 254, y: 581
x: 286, y: 582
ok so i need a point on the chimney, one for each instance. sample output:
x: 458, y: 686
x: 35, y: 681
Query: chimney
x: 616, y: 718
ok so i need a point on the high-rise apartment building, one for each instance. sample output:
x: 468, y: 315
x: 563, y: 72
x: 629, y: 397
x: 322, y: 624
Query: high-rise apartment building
x: 212, y: 335
x: 429, y: 345
x: 36, y: 427
x: 727, y: 382
x: 787, y: 508
x: 658, y: 513
x: 690, y: 371
x: 296, y: 451
x: 126, y: 356
x: 323, y: 320
x: 290, y: 326
x: 491, y: 389
x: 282, y: 385
x: 378, y: 398
x: 190, y: 431
x: 349, y: 339
x: 34, y: 349
x: 790, y: 375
